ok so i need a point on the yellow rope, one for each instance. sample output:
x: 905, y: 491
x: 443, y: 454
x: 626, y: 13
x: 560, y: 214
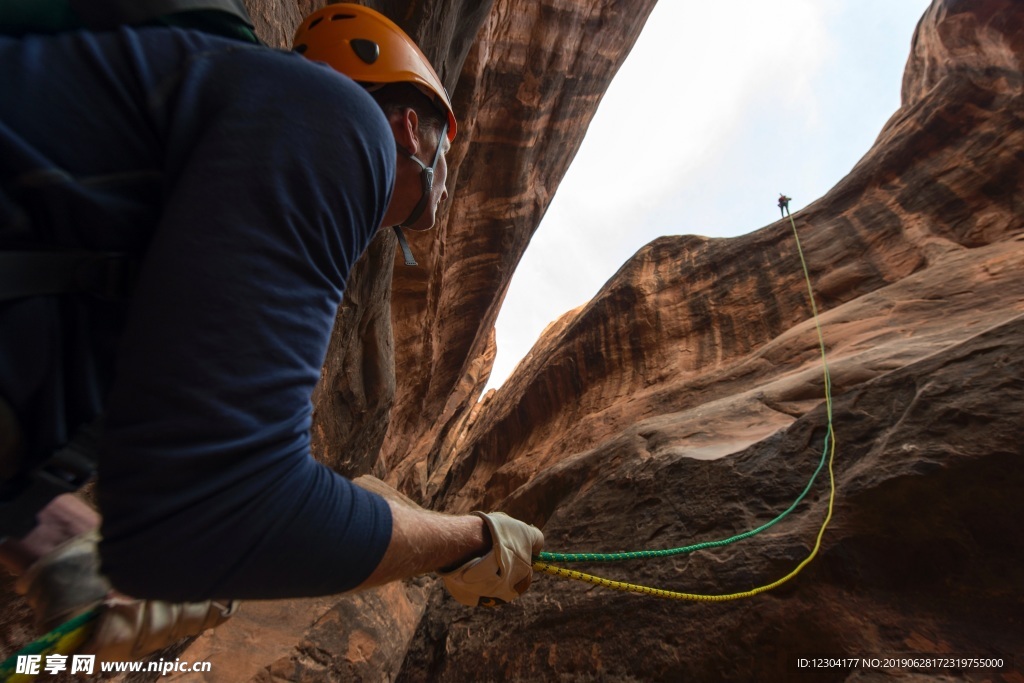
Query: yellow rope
x: 674, y: 595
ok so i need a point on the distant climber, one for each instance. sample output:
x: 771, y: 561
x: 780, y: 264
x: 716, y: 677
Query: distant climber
x: 784, y: 204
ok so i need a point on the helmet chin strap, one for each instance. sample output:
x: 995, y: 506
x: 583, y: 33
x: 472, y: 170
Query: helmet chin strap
x: 426, y: 185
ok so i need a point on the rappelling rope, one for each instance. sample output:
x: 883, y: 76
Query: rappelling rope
x: 828, y: 454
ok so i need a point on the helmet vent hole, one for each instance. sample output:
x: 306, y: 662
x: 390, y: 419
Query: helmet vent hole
x: 366, y: 50
x: 336, y: 17
x: 315, y: 22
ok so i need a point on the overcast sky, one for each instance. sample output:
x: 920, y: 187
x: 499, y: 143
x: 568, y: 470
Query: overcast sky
x: 719, y: 107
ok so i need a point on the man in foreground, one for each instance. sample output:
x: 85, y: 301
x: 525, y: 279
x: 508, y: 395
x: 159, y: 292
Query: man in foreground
x: 244, y: 182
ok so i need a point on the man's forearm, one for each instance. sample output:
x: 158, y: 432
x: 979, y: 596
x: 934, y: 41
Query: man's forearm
x: 423, y: 541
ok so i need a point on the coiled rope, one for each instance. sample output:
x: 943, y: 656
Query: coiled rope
x: 542, y: 561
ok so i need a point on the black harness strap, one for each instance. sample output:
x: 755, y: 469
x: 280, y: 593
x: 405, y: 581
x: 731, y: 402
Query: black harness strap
x: 31, y: 273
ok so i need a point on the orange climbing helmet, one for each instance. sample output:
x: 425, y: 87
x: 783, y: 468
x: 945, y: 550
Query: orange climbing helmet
x: 369, y: 48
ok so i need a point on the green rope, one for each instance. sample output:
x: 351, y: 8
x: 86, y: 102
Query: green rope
x: 648, y: 554
x: 64, y: 639
x: 669, y: 552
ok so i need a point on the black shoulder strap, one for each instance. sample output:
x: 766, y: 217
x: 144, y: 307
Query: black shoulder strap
x: 103, y: 15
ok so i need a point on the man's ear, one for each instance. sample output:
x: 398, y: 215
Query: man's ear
x: 405, y: 125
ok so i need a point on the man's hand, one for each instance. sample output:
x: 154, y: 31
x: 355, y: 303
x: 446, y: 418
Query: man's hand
x: 505, y: 572
x: 493, y: 552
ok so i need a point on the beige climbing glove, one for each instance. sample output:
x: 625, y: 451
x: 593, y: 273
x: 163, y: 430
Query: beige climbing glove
x: 128, y: 629
x: 66, y: 582
x: 503, y: 574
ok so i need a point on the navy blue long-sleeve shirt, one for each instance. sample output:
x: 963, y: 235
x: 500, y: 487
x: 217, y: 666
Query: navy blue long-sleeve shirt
x: 249, y: 181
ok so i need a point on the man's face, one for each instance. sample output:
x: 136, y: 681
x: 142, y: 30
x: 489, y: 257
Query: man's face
x: 439, y: 190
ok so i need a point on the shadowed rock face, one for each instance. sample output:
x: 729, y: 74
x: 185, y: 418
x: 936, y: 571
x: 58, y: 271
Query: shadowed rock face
x: 684, y: 403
